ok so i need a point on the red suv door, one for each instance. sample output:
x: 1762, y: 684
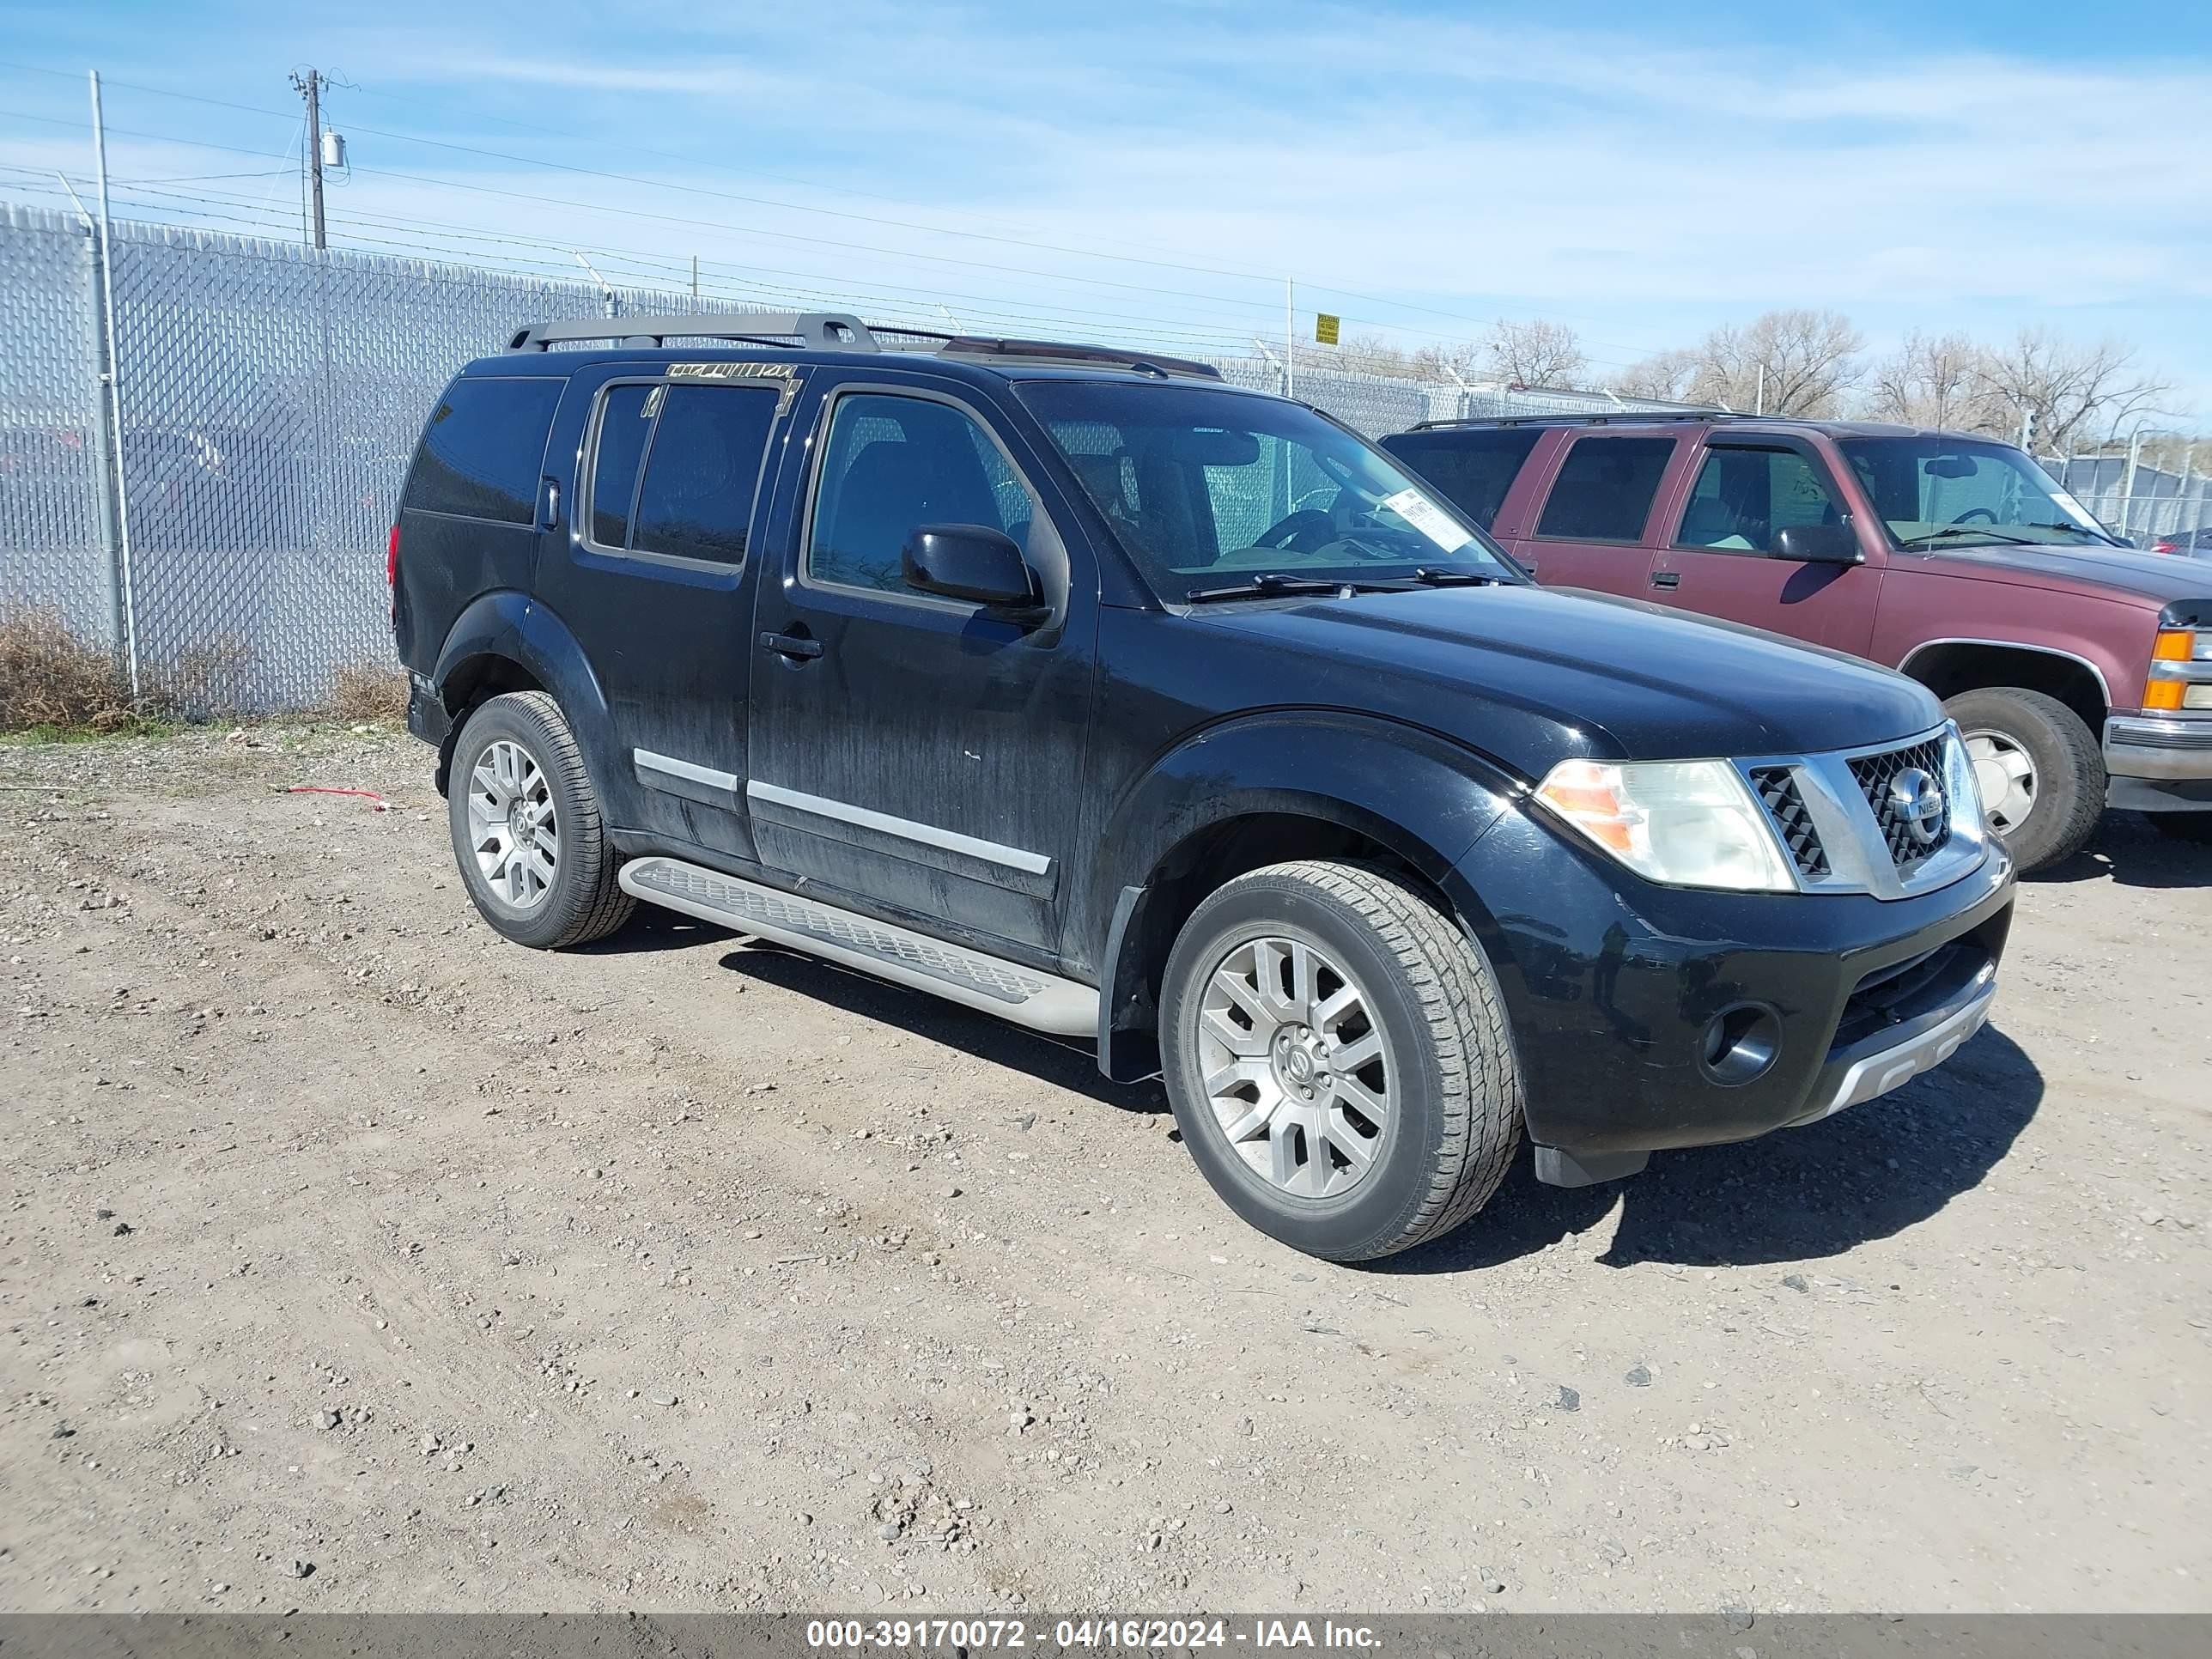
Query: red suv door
x: 1590, y: 531
x: 1725, y: 551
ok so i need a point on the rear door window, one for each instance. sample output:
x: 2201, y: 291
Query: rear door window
x: 675, y: 468
x: 483, y: 450
x: 1604, y: 489
x: 702, y: 471
x: 625, y: 423
x: 1474, y: 468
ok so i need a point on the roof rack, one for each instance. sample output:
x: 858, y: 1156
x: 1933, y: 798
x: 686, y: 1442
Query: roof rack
x: 1603, y: 417
x: 826, y: 330
x: 838, y: 331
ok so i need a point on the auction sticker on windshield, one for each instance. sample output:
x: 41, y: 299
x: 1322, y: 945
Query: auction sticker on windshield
x: 1425, y: 516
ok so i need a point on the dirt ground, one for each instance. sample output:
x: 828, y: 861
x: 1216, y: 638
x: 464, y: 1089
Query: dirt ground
x: 354, y: 1259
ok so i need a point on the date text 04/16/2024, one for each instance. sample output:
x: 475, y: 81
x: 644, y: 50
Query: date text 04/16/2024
x: 1168, y: 1635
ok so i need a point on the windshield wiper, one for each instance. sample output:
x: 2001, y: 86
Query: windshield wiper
x: 2074, y: 530
x: 1435, y: 578
x: 1269, y: 585
x: 1980, y: 532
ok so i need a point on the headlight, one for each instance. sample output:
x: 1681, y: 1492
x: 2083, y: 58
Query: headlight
x: 1963, y: 790
x: 1688, y: 823
x: 2175, y: 681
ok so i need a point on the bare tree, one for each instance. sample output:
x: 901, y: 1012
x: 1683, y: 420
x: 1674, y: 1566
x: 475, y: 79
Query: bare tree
x: 1936, y: 381
x: 1786, y: 362
x: 1454, y: 360
x: 2060, y: 395
x: 1667, y: 376
x: 1535, y: 354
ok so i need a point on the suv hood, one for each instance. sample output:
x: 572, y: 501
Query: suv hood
x: 2155, y: 576
x: 1533, y: 676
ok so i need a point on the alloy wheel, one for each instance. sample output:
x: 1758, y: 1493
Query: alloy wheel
x: 513, y: 828
x: 1297, y: 1068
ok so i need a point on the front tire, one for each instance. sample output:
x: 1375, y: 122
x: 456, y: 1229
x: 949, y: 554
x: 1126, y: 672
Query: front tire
x: 526, y: 827
x: 2040, y: 772
x: 1337, y: 1056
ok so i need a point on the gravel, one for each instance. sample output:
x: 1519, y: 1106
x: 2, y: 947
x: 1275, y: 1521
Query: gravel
x: 420, y: 1223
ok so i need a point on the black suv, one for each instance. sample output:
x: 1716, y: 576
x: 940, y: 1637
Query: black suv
x: 1079, y: 687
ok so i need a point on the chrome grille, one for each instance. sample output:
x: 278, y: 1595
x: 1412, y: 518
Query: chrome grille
x: 1778, y: 794
x: 1874, y: 772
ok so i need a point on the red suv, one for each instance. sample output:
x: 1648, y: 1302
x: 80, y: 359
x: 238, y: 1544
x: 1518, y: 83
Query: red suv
x: 2078, y: 670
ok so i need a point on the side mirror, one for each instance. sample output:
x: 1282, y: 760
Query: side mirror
x: 972, y: 562
x: 1818, y: 544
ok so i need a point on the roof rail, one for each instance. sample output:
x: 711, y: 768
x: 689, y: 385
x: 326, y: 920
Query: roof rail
x: 838, y: 331
x: 1059, y: 351
x: 1603, y: 417
x: 825, y: 329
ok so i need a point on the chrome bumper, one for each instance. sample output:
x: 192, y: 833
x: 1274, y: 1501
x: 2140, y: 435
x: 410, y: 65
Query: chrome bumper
x: 2154, y: 746
x: 1876, y: 1074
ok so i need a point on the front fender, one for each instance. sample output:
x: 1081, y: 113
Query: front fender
x: 1428, y: 800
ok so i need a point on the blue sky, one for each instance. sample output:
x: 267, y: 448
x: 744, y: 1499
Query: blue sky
x: 1640, y: 173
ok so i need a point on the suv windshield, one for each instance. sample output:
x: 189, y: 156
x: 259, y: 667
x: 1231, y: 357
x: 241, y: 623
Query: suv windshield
x: 1209, y: 488
x: 1934, y: 491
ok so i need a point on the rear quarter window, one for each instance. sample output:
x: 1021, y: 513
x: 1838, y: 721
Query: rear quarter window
x: 1474, y: 469
x: 1604, y: 489
x: 483, y: 450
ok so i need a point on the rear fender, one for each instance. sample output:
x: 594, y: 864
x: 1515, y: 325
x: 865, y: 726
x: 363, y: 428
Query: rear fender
x: 510, y: 627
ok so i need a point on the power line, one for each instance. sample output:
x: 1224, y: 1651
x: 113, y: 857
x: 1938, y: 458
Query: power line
x: 262, y: 220
x: 1321, y: 284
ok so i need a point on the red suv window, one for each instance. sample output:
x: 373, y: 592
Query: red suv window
x: 1604, y: 489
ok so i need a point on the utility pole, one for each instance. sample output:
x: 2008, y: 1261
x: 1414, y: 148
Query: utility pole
x: 312, y: 89
x: 1290, y: 338
x: 694, y: 280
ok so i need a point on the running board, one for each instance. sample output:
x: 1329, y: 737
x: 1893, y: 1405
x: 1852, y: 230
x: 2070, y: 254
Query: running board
x: 1027, y: 996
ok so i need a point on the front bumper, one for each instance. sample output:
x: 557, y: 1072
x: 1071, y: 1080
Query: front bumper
x: 1615, y: 987
x: 2158, y: 762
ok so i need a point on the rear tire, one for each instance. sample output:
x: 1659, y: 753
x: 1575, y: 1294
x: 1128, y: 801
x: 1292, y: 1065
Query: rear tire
x: 2184, y: 826
x: 526, y: 827
x: 1337, y: 1056
x: 2041, y: 773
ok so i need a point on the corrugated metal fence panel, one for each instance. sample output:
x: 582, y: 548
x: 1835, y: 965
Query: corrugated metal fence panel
x: 51, y: 556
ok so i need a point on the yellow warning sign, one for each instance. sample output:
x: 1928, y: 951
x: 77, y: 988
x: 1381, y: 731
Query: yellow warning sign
x: 1326, y: 327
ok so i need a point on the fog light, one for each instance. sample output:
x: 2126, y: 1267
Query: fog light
x: 1740, y: 1044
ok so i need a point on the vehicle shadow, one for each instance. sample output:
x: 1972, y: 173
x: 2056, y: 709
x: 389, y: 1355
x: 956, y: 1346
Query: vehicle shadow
x: 2128, y: 850
x: 1063, y: 1064
x: 655, y: 928
x: 1792, y: 1195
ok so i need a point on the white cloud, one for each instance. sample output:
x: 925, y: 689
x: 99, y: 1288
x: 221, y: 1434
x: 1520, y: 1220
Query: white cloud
x: 1639, y: 185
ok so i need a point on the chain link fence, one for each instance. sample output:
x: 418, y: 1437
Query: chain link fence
x: 269, y: 398
x: 51, y: 553
x: 269, y: 401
